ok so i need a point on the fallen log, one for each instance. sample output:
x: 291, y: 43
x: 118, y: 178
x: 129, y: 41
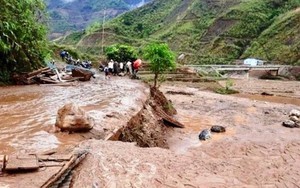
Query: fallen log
x: 36, y: 72
x: 49, y: 80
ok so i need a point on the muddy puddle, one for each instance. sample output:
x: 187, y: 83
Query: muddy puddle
x: 28, y: 113
x: 274, y: 99
x: 181, y: 140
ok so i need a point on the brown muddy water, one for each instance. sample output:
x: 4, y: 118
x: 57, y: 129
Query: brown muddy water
x: 28, y: 113
x: 274, y: 99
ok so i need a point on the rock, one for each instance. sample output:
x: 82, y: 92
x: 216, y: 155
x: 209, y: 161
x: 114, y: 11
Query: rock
x: 73, y: 118
x: 218, y: 129
x: 205, y: 134
x: 290, y: 124
x: 295, y: 112
x: 267, y: 94
x: 83, y: 74
x: 294, y: 119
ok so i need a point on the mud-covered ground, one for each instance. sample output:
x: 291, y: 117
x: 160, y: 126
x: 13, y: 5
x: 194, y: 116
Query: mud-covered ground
x: 256, y: 150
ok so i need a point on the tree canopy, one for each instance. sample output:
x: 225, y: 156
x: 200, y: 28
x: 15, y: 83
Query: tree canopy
x: 161, y: 59
x: 121, y: 53
x: 23, y: 43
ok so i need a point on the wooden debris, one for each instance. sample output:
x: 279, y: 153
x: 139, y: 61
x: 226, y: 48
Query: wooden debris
x: 51, y: 76
x: 58, y: 158
x: 22, y: 163
x: 73, y: 162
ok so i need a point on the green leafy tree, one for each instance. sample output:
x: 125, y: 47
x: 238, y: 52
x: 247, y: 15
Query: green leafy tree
x: 23, y: 44
x: 160, y: 57
x: 121, y: 53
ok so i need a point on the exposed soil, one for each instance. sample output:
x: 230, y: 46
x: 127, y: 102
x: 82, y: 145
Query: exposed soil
x: 255, y: 151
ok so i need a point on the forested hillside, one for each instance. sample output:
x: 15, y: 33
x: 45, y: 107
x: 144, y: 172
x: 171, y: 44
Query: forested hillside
x: 72, y: 15
x: 207, y: 31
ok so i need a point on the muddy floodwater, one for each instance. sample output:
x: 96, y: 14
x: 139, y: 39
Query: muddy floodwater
x: 28, y: 113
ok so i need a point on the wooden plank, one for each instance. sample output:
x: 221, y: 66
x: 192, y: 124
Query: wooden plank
x: 48, y: 80
x: 51, y: 164
x: 22, y: 163
x: 67, y: 167
x: 36, y: 72
x: 54, y: 157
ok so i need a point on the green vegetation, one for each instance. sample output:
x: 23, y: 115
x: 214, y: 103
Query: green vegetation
x: 75, y: 15
x: 160, y: 57
x: 285, y: 44
x: 227, y: 89
x: 206, y: 31
x: 23, y: 45
x: 121, y: 53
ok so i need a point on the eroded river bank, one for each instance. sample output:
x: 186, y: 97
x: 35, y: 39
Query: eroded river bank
x: 255, y: 151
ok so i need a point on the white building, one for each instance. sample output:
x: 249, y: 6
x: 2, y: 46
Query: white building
x: 253, y: 62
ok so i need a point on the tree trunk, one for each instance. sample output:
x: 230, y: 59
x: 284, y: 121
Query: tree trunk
x: 155, y: 79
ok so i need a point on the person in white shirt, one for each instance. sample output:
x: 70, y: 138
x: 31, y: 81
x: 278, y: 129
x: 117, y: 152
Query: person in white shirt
x: 121, y: 67
x: 129, y: 67
x: 110, y: 66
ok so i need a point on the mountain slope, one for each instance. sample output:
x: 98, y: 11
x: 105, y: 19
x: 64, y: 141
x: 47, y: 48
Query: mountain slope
x: 72, y: 15
x: 281, y: 41
x: 206, y: 31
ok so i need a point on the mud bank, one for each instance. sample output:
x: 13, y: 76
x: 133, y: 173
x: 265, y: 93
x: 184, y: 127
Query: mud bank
x: 148, y: 127
x: 254, y: 136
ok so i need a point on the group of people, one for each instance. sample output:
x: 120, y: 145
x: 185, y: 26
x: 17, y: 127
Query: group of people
x: 115, y: 68
x: 65, y: 56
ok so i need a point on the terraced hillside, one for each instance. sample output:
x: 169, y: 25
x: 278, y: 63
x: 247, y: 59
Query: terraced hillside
x: 206, y: 31
x: 72, y: 15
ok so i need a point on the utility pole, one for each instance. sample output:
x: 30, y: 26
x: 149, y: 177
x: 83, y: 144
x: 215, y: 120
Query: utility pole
x: 103, y: 21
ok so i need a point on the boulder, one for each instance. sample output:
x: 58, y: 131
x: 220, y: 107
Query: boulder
x: 205, y: 134
x: 295, y: 112
x: 218, y: 129
x: 83, y: 74
x: 73, y: 118
x: 290, y: 124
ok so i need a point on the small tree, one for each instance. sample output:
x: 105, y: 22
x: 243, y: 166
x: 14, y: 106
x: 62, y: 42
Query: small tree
x: 161, y: 58
x: 121, y: 53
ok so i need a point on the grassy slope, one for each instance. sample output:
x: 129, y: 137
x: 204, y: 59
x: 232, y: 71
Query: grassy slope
x: 206, y: 31
x: 281, y: 41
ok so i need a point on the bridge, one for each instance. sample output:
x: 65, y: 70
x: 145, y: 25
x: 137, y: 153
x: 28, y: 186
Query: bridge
x: 272, y: 69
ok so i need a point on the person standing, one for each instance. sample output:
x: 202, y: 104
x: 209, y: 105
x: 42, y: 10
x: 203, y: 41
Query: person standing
x: 129, y: 67
x: 106, y: 71
x: 116, y: 68
x: 122, y: 67
x: 110, y: 66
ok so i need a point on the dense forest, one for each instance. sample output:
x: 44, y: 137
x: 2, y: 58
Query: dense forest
x: 207, y: 31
